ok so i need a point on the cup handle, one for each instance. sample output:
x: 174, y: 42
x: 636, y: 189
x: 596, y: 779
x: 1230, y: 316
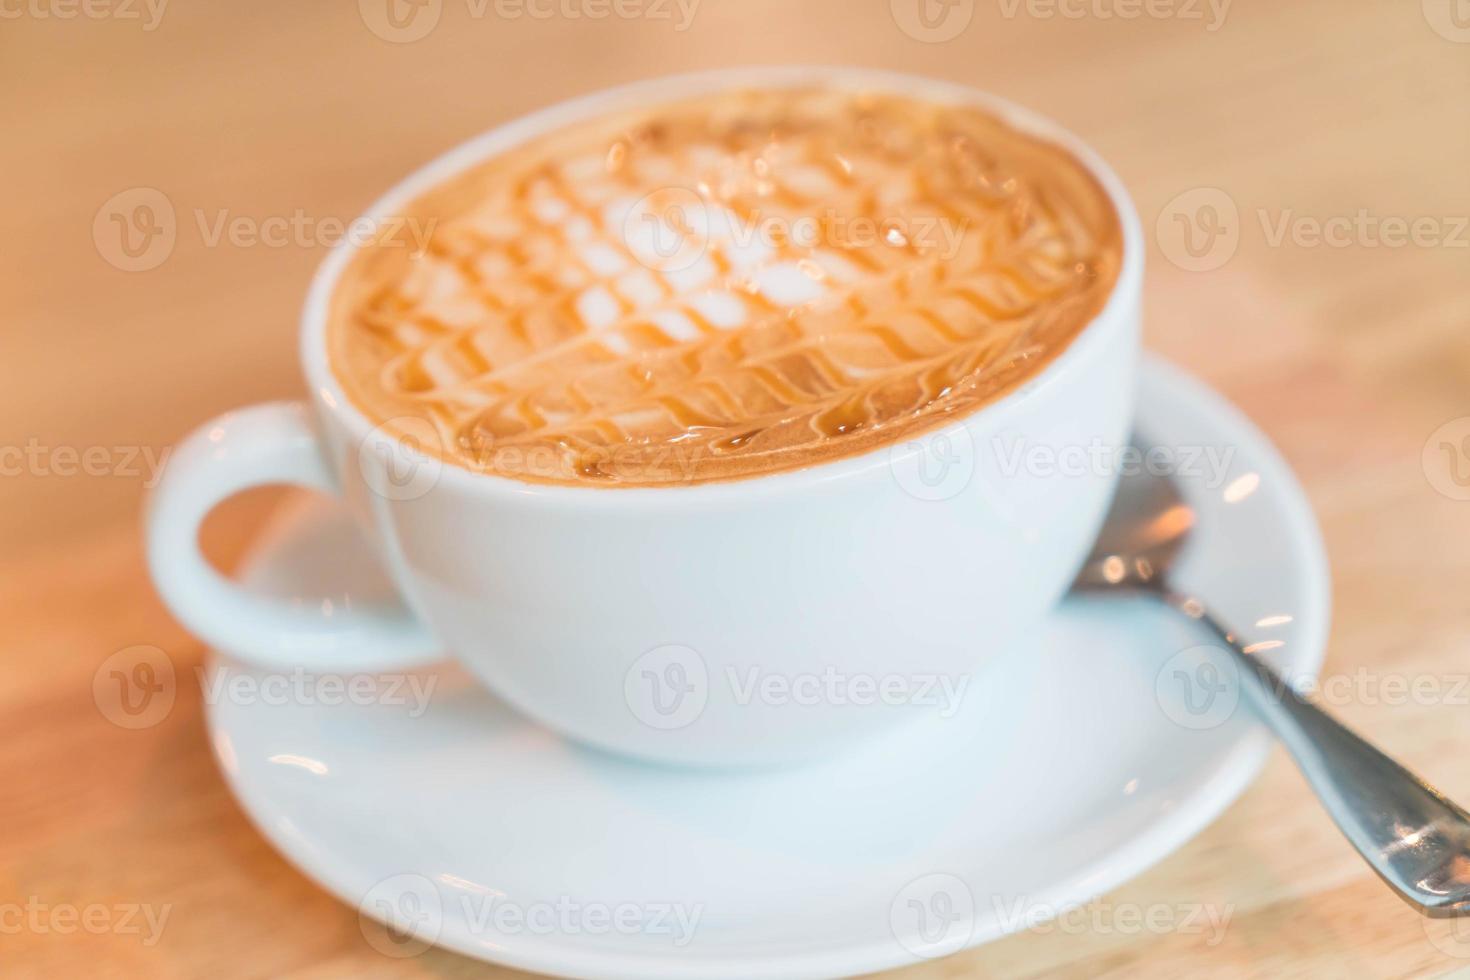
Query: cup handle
x: 268, y: 444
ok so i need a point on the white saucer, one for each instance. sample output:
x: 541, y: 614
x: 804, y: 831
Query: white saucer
x: 1074, y: 767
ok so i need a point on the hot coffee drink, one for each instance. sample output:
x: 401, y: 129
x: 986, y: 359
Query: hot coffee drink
x: 618, y: 318
x: 725, y: 287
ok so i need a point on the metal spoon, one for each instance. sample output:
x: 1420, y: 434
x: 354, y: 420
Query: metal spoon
x: 1417, y: 840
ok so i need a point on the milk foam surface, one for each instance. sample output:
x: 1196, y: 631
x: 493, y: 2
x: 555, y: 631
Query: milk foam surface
x: 715, y: 289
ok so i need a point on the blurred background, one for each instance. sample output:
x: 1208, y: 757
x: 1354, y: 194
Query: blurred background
x: 173, y: 171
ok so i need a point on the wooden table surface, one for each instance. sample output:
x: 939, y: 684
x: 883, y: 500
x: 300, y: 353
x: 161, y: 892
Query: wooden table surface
x: 1348, y: 344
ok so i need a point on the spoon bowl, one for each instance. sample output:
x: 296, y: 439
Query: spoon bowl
x: 1144, y: 532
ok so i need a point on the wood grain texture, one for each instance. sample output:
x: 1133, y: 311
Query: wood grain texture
x: 1349, y: 356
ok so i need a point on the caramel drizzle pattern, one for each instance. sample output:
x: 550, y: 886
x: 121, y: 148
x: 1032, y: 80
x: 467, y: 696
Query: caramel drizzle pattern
x: 915, y: 332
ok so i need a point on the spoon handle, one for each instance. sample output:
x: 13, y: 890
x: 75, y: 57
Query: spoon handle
x: 1411, y: 835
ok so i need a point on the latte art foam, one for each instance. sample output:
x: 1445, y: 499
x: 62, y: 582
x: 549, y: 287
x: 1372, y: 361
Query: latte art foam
x: 722, y: 288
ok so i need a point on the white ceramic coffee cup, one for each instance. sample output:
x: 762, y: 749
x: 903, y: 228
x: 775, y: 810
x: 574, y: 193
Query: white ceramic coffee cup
x: 765, y: 620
